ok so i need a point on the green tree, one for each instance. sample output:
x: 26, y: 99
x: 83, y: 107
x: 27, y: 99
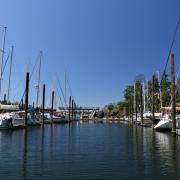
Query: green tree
x: 156, y: 94
x: 178, y: 91
x: 165, y: 90
x: 128, y: 95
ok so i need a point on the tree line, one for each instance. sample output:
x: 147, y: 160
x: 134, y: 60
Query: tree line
x: 154, y: 88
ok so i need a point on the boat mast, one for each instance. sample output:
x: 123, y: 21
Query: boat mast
x: 55, y: 93
x: 65, y: 86
x: 147, y: 96
x: 39, y: 78
x: 144, y: 96
x: 134, y: 96
x: 2, y: 58
x: 10, y: 72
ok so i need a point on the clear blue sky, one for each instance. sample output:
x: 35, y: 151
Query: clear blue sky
x: 103, y: 44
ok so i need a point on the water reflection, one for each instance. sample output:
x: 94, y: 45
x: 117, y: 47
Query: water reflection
x: 155, y: 153
x: 25, y: 155
x: 89, y: 151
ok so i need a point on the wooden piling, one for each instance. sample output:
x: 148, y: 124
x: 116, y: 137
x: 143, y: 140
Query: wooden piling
x: 43, y: 102
x: 72, y: 109
x: 135, y: 102
x: 153, y: 109
x: 131, y: 109
x: 69, y: 109
x: 26, y: 99
x: 173, y: 98
x: 75, y: 111
x: 52, y: 106
x: 136, y: 109
x: 141, y: 104
x: 5, y: 98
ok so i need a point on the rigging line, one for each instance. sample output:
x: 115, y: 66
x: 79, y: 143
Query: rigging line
x: 32, y: 72
x: 39, y: 78
x: 171, y: 46
x: 60, y: 98
x: 70, y: 90
x: 10, y: 72
x: 61, y: 89
x: 5, y: 63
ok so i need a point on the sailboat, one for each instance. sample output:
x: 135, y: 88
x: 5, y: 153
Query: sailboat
x: 166, y: 122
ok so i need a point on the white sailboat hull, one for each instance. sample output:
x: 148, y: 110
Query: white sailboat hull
x: 164, y: 124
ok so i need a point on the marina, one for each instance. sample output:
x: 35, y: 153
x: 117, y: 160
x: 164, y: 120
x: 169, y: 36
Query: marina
x: 89, y: 90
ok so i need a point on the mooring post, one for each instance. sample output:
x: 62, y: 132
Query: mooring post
x: 131, y: 109
x: 69, y: 109
x: 22, y: 103
x: 52, y: 106
x: 73, y: 109
x: 136, y: 107
x: 141, y: 104
x: 153, y: 109
x: 26, y: 99
x: 173, y: 98
x: 33, y: 105
x: 43, y: 103
x: 135, y: 101
x: 5, y: 99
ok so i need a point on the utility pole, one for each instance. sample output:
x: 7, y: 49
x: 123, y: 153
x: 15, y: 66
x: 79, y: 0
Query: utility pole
x: 173, y: 98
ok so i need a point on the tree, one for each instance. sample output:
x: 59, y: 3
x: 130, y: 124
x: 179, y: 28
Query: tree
x: 110, y: 107
x: 156, y: 94
x: 178, y: 91
x: 128, y: 95
x: 165, y: 90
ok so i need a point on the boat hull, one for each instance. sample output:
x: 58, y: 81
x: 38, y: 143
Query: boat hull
x: 164, y: 125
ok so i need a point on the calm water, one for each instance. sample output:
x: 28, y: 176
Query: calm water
x: 89, y: 151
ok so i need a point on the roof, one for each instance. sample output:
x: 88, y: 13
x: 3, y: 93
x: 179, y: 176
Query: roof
x: 170, y: 108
